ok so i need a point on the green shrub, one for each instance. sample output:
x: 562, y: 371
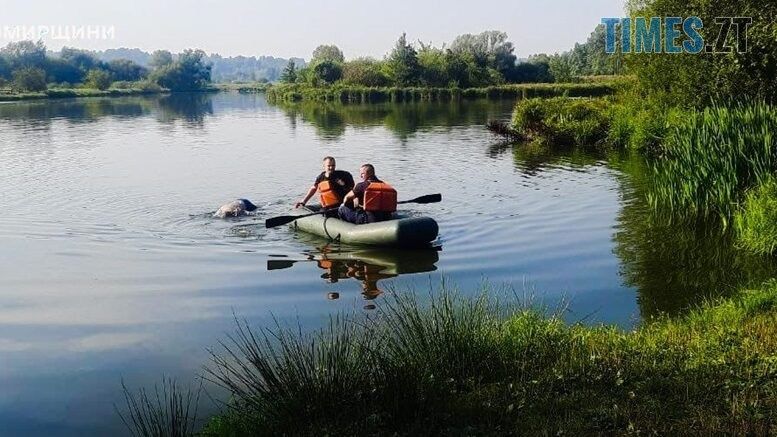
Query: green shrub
x: 562, y: 120
x: 756, y: 221
x: 29, y: 79
x: 98, y: 79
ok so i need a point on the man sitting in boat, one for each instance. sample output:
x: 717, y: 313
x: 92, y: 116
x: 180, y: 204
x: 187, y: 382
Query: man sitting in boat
x: 371, y: 200
x: 332, y: 186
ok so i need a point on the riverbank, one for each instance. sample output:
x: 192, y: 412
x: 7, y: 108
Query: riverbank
x: 61, y: 93
x: 359, y: 94
x: 476, y: 365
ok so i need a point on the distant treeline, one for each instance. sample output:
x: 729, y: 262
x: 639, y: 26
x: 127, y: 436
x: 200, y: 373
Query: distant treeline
x: 26, y: 66
x: 471, y: 61
x: 224, y: 69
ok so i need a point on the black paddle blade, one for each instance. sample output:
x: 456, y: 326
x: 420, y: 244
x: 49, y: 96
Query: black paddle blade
x: 280, y: 220
x: 429, y: 198
x: 277, y: 264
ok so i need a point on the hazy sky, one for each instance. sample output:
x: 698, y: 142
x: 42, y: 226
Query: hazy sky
x: 288, y: 28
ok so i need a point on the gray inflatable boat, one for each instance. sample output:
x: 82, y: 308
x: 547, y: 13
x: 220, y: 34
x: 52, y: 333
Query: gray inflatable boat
x: 401, y: 231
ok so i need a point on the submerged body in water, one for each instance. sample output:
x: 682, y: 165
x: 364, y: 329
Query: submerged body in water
x: 236, y: 208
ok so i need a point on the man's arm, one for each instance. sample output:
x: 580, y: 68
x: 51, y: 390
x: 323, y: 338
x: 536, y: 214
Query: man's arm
x: 307, y: 197
x: 350, y: 198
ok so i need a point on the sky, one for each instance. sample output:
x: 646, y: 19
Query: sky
x: 294, y: 28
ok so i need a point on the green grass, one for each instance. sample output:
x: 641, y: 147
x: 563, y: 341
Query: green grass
x: 711, y: 157
x: 462, y: 366
x: 563, y: 120
x: 358, y: 94
x: 756, y: 221
x: 58, y: 93
x: 170, y: 411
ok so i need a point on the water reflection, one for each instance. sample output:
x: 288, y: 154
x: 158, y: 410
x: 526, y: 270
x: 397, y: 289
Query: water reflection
x: 192, y: 108
x: 367, y: 266
x: 401, y: 119
x: 674, y: 266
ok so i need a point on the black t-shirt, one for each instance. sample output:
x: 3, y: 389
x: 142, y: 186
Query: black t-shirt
x: 342, y: 182
x: 361, y: 187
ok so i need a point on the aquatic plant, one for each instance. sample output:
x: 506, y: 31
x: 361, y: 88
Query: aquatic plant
x: 711, y: 157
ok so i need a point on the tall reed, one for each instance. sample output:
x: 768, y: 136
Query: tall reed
x: 711, y: 157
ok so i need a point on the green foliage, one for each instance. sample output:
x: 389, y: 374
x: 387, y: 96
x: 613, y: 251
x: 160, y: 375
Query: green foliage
x: 327, y: 72
x: 756, y: 221
x: 160, y: 59
x: 403, y: 64
x: 29, y: 79
x: 365, y: 72
x: 81, y: 59
x: 24, y: 54
x: 126, y: 70
x: 348, y: 93
x: 699, y: 79
x: 453, y: 365
x: 329, y: 53
x: 188, y: 73
x: 563, y: 120
x: 711, y: 157
x: 289, y: 73
x: 98, y: 79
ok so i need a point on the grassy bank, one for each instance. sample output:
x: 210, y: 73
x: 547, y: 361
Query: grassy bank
x: 467, y: 366
x: 356, y: 94
x: 59, y: 93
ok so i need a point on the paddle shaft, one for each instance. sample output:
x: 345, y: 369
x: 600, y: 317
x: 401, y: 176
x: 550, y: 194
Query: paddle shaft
x: 284, y: 219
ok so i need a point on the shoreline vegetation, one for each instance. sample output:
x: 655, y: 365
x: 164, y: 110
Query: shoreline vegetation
x: 132, y: 89
x: 490, y: 364
x: 362, y: 94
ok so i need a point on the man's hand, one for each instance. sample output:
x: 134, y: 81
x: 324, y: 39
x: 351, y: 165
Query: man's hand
x: 298, y: 204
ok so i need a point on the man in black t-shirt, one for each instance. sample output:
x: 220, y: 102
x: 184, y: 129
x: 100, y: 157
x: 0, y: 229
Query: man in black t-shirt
x: 342, y: 181
x: 351, y: 210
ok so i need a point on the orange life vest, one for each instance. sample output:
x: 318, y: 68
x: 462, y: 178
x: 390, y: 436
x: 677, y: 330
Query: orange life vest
x: 380, y: 197
x: 329, y: 197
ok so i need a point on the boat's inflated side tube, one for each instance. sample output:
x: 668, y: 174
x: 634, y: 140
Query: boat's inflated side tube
x: 402, y: 231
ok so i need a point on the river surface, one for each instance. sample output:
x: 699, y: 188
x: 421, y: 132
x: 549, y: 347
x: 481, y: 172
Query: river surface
x: 111, y: 266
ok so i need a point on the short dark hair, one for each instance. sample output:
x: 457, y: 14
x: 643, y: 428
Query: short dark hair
x: 326, y: 158
x: 370, y: 168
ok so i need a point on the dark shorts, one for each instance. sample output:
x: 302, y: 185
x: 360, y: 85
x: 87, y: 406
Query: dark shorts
x: 353, y: 215
x: 360, y: 216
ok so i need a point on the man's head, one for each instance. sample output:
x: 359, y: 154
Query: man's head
x: 328, y: 164
x: 366, y: 171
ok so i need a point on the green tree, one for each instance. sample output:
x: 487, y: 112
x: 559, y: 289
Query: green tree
x: 289, y: 73
x: 189, y: 73
x: 327, y: 53
x: 81, y: 59
x: 99, y: 79
x: 160, y: 59
x: 327, y: 72
x: 23, y: 54
x: 5, y: 69
x: 126, y: 70
x: 698, y: 79
x: 29, y: 79
x: 432, y: 64
x: 60, y: 71
x: 403, y: 63
x: 364, y: 71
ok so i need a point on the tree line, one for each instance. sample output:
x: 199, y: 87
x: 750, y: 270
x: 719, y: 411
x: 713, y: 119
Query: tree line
x: 28, y: 66
x: 480, y: 60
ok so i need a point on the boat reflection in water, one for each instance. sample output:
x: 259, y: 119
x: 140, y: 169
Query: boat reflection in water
x: 368, y: 265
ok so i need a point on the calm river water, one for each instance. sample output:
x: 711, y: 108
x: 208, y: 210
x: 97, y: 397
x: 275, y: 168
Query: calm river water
x: 112, y: 268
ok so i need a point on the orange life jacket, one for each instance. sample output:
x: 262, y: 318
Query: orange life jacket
x: 380, y: 197
x: 329, y: 197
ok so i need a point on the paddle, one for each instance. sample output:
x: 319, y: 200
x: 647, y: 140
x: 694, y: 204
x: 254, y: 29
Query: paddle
x: 283, y: 219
